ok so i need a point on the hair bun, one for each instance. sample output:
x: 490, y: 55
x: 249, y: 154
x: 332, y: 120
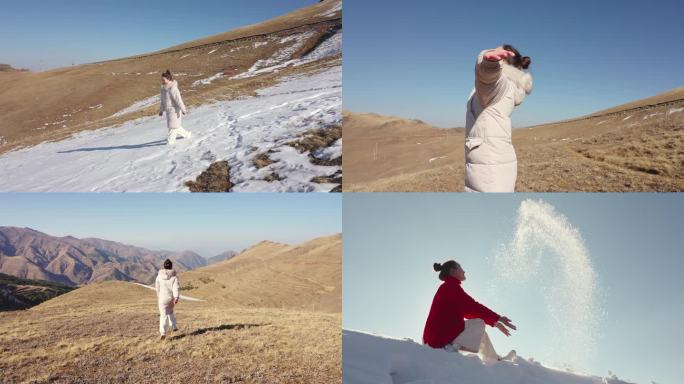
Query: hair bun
x: 437, y: 267
x: 526, y: 61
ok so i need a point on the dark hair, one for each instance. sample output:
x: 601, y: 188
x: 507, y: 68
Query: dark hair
x: 517, y: 60
x: 167, y: 75
x: 168, y: 264
x: 445, y: 268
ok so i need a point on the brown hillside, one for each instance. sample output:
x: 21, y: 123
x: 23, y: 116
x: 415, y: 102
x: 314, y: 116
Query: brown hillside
x: 107, y: 332
x: 634, y: 147
x: 306, y: 276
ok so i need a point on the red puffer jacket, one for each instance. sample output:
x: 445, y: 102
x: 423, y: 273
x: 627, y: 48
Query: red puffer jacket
x: 450, y: 307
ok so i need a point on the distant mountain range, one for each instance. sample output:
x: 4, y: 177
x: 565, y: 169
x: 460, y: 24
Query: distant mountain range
x: 27, y: 253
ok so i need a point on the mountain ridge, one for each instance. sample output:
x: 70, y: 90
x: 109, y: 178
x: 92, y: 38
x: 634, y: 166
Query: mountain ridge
x: 29, y: 253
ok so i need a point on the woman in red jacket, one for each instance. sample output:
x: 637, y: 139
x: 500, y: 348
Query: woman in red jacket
x: 446, y: 327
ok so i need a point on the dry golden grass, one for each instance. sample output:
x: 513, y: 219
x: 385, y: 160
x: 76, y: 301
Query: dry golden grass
x: 306, y: 276
x: 107, y: 332
x: 385, y: 154
x: 635, y: 150
x: 55, y: 104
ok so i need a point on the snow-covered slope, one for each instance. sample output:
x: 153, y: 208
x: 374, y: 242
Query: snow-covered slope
x: 368, y: 358
x: 135, y: 157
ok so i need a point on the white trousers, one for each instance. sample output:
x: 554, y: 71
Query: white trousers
x: 174, y: 132
x: 475, y: 339
x: 166, y: 317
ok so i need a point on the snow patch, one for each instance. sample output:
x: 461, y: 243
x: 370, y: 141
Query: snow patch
x: 330, y: 153
x: 652, y: 115
x: 368, y: 358
x: 208, y: 80
x: 133, y: 156
x: 436, y: 158
x: 184, y: 56
x: 332, y: 11
x: 3, y: 140
x: 212, y: 51
x: 183, y: 297
x: 627, y: 118
x: 278, y: 58
x: 260, y: 44
x: 138, y: 105
x: 674, y: 110
x: 330, y: 47
x: 95, y: 106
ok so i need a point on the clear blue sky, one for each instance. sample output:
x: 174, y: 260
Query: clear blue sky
x: 635, y: 243
x: 41, y: 35
x: 415, y: 59
x: 205, y: 223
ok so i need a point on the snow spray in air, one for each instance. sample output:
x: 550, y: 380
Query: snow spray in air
x: 547, y: 254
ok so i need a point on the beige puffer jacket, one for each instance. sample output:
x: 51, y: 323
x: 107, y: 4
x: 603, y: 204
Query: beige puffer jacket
x: 167, y: 286
x: 491, y: 164
x: 172, y: 104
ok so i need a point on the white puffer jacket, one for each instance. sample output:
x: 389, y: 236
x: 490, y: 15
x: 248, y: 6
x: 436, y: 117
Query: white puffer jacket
x: 491, y: 164
x: 167, y: 286
x: 172, y: 104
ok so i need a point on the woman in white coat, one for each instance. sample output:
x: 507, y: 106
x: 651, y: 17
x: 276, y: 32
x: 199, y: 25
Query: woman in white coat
x: 172, y: 104
x: 167, y: 286
x: 500, y: 86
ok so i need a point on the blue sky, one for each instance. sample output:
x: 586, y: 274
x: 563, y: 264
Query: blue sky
x: 416, y: 59
x: 635, y: 243
x: 41, y: 35
x: 205, y: 223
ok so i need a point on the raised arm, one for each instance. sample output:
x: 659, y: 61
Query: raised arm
x: 488, y: 73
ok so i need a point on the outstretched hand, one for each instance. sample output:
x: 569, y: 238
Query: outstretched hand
x: 503, y: 323
x: 497, y: 54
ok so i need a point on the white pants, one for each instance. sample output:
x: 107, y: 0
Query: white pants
x: 475, y: 339
x: 174, y: 132
x: 166, y: 317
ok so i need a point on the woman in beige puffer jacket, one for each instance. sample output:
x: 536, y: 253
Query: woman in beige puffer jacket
x: 500, y: 86
x: 172, y: 104
x: 167, y: 287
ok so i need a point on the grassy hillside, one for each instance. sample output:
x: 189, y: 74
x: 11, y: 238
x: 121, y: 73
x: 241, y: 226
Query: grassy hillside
x: 306, y: 276
x: 633, y: 147
x: 107, y: 332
